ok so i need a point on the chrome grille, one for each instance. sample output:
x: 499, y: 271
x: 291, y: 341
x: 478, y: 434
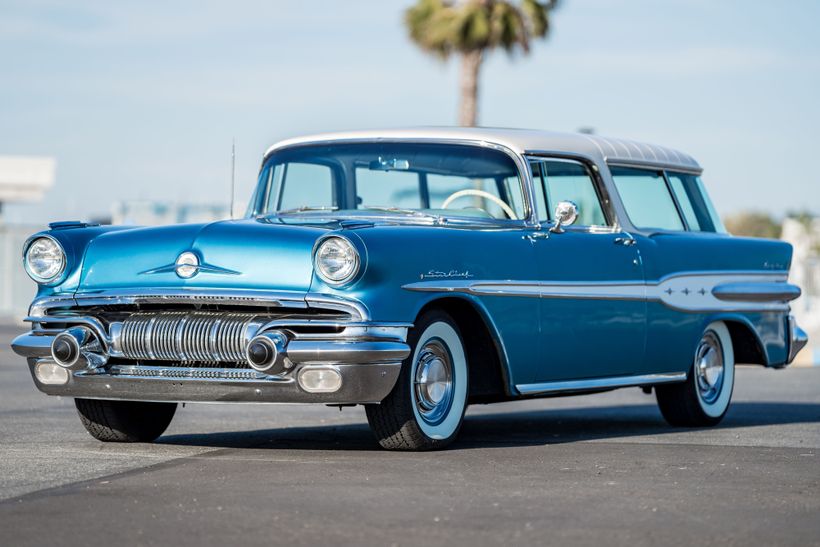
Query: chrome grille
x: 193, y: 373
x: 210, y: 337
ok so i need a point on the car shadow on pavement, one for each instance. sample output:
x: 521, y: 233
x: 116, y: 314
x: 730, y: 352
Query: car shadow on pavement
x: 509, y: 429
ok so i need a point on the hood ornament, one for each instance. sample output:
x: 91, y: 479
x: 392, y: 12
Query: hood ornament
x: 187, y: 265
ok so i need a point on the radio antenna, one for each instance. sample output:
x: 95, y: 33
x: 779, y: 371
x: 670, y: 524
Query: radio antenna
x: 233, y: 173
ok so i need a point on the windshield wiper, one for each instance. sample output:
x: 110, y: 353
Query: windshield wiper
x: 305, y: 208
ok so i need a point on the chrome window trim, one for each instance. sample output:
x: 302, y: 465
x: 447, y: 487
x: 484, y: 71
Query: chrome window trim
x: 600, y: 383
x: 638, y: 164
x: 599, y: 184
x: 519, y: 160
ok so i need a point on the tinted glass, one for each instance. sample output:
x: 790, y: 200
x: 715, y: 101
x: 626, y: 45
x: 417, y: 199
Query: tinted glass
x: 695, y: 203
x: 388, y: 188
x: 646, y: 198
x: 681, y: 194
x: 469, y: 180
x: 303, y: 183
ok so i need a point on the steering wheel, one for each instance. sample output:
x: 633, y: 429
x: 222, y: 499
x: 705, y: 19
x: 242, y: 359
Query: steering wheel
x: 482, y: 194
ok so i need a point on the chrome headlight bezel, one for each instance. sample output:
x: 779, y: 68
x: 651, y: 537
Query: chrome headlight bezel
x: 37, y: 277
x: 348, y: 274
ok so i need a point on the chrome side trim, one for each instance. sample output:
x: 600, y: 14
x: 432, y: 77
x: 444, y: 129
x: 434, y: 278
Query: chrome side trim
x: 686, y: 291
x: 756, y: 292
x: 599, y: 383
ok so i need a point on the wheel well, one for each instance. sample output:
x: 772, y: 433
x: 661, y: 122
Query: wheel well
x: 487, y: 375
x: 745, y: 344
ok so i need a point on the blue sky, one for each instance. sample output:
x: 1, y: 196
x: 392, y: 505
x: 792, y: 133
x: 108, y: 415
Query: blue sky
x: 140, y: 100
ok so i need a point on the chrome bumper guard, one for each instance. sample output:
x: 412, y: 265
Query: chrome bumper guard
x: 797, y: 339
x: 365, y: 357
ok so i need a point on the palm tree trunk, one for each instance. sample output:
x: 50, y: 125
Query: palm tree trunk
x: 470, y: 67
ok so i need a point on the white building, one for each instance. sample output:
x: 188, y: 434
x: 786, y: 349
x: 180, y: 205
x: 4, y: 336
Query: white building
x: 804, y: 235
x: 151, y: 213
x: 22, y: 179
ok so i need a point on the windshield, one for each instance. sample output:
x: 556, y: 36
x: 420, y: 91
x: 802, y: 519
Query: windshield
x: 390, y: 178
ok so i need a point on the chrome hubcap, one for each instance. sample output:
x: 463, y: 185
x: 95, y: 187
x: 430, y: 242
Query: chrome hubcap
x: 433, y: 382
x: 709, y: 367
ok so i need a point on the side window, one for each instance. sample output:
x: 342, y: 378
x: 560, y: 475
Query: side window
x: 694, y: 202
x: 388, y: 188
x: 646, y: 198
x: 557, y: 181
x: 302, y: 185
x: 686, y: 207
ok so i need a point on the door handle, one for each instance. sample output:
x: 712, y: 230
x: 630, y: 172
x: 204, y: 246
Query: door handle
x: 534, y: 236
x: 625, y: 241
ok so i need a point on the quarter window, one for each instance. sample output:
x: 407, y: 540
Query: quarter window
x: 694, y: 201
x: 646, y: 198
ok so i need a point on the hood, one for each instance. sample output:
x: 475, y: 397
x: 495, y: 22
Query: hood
x: 244, y: 254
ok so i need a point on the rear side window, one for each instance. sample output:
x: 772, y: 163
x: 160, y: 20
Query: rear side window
x: 698, y: 210
x: 647, y: 199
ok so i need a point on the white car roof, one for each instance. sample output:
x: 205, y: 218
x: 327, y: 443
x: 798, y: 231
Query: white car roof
x: 521, y: 141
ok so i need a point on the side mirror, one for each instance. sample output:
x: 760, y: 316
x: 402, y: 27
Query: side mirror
x: 566, y: 213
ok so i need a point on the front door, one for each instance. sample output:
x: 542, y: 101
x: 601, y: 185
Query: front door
x: 591, y: 282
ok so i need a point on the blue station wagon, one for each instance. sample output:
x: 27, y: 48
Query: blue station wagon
x: 416, y: 272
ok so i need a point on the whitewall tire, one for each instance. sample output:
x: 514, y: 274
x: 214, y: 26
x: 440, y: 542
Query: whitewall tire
x: 705, y: 396
x: 426, y: 407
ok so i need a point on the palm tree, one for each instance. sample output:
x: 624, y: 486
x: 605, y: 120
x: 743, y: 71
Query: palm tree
x: 471, y: 28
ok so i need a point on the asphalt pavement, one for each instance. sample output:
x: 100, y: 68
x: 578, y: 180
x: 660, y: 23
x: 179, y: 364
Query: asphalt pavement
x: 594, y: 470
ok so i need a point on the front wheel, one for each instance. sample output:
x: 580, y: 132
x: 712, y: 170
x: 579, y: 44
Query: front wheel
x: 426, y: 407
x: 125, y: 421
x: 704, y: 398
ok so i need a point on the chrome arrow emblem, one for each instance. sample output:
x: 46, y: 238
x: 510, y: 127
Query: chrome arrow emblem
x: 187, y: 265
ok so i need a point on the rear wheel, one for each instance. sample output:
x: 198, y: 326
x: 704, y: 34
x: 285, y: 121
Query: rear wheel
x: 125, y: 421
x: 705, y: 396
x: 426, y: 407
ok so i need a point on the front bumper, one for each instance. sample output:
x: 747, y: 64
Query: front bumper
x: 366, y: 358
x: 361, y: 383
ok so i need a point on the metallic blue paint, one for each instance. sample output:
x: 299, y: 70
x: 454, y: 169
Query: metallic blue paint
x: 539, y: 339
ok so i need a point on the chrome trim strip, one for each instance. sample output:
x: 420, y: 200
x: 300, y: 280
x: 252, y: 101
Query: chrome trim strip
x: 654, y: 164
x: 756, y: 292
x: 600, y: 383
x: 235, y: 297
x: 686, y: 291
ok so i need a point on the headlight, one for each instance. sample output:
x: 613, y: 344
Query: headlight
x: 44, y: 259
x: 336, y: 260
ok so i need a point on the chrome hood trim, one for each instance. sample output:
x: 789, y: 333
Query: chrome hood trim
x: 237, y: 297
